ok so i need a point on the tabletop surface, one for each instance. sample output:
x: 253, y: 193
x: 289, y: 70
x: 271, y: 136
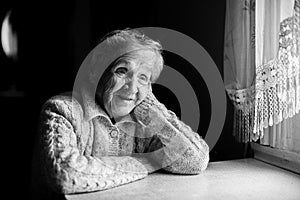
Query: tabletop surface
x: 234, y: 179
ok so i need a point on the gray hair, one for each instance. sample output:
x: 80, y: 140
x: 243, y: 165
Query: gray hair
x: 134, y: 37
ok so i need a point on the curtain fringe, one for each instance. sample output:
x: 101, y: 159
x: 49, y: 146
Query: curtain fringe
x: 276, y: 97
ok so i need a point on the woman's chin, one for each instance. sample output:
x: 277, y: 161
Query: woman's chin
x: 121, y: 112
x: 122, y: 107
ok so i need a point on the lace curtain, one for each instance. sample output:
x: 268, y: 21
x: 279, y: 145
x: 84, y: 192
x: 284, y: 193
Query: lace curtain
x: 261, y: 67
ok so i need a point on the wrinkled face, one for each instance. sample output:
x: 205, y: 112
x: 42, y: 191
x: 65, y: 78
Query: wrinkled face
x: 132, y: 82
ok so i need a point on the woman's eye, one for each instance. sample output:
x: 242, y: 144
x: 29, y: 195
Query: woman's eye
x: 121, y: 71
x: 143, y: 79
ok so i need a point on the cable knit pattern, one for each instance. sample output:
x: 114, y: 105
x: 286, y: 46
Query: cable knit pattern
x: 83, y: 156
x: 66, y: 167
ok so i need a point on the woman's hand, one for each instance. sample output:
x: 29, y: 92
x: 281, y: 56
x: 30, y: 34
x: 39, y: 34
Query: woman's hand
x: 149, y: 114
x: 142, y: 94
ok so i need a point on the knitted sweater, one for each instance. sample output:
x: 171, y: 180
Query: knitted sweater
x: 81, y: 155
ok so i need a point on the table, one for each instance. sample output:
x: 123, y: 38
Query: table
x: 234, y: 179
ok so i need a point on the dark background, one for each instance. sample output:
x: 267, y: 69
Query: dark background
x: 53, y: 39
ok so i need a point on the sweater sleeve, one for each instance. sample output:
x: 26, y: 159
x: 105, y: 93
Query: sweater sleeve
x: 175, y: 145
x: 66, y: 167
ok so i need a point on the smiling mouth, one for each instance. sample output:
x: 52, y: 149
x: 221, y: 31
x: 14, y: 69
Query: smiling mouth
x: 126, y: 98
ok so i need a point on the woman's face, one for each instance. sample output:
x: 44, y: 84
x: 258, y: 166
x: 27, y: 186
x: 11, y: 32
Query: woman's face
x: 132, y: 82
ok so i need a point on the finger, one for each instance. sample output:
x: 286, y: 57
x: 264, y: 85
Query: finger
x: 150, y: 88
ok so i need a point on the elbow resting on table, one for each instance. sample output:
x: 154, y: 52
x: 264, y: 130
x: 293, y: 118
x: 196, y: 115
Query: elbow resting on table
x: 190, y: 162
x: 198, y: 163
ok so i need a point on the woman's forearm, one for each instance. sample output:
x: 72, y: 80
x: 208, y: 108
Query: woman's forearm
x: 184, y: 151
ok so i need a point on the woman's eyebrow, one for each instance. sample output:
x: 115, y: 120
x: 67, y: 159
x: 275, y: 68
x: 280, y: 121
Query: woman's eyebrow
x: 121, y: 61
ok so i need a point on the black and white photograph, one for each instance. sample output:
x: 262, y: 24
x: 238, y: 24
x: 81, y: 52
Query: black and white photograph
x: 150, y: 99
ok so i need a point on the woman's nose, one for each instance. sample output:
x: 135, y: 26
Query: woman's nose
x: 132, y: 85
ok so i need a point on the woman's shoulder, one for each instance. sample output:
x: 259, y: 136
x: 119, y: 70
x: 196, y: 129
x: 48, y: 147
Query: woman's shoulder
x: 65, y: 104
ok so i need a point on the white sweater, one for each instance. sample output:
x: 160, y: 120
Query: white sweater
x: 83, y: 155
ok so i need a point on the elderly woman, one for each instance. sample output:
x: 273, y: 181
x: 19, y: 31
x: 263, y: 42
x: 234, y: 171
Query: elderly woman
x: 121, y: 133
